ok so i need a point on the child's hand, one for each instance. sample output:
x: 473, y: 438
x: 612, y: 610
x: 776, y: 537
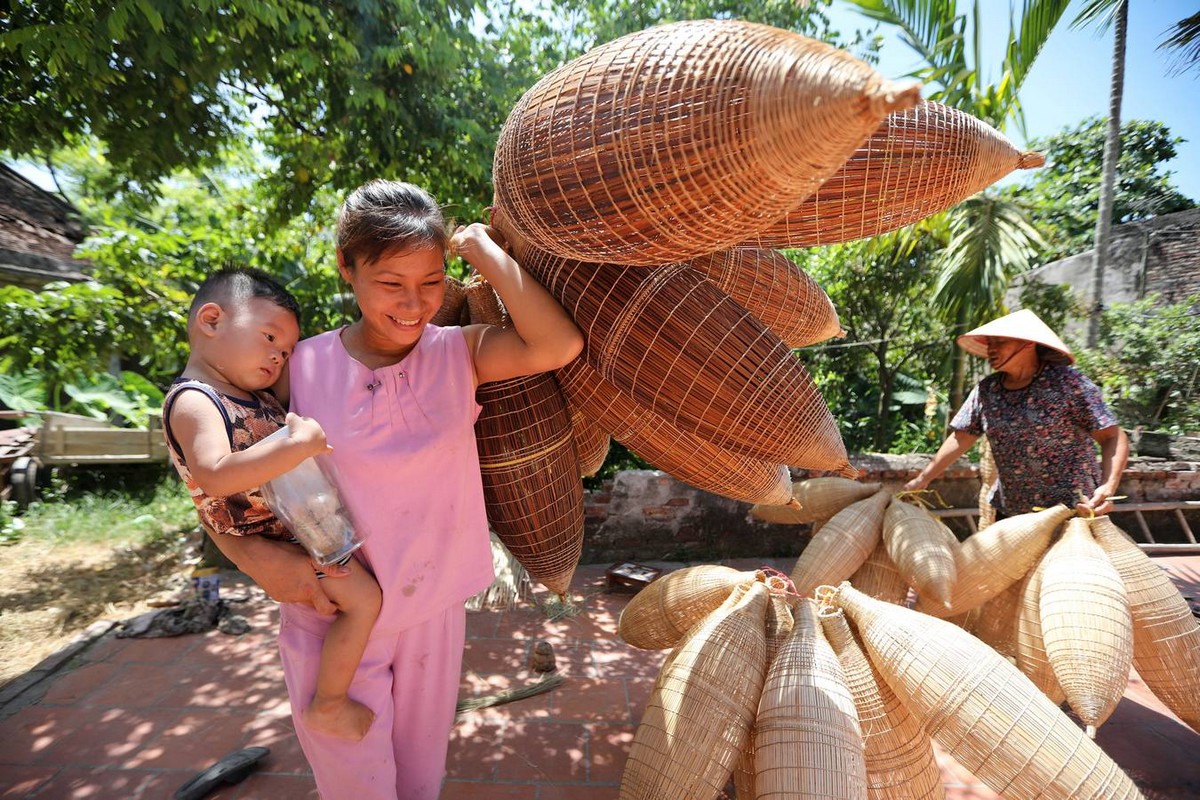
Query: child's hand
x: 471, y: 240
x: 307, y: 432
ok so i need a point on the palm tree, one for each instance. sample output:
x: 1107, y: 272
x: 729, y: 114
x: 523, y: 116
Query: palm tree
x: 1186, y: 42
x: 974, y: 274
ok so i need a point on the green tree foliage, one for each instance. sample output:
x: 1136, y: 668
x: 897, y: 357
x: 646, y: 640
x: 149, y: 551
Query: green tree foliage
x: 878, y: 378
x: 1063, y: 198
x: 336, y: 92
x: 1146, y: 363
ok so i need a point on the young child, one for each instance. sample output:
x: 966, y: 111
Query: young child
x: 242, y: 327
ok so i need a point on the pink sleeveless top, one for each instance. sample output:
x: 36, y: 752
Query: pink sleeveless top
x: 407, y: 468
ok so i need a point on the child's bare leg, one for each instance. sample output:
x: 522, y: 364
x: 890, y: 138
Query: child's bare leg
x: 332, y: 711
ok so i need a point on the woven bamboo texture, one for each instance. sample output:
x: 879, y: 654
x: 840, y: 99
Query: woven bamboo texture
x: 997, y: 621
x: 528, y: 463
x: 660, y: 614
x: 917, y: 163
x: 980, y: 708
x: 776, y: 291
x: 701, y: 710
x: 807, y: 742
x: 1086, y: 623
x: 683, y: 348
x: 1031, y: 656
x: 675, y: 141
x: 684, y: 455
x: 879, y: 577
x: 591, y: 441
x: 987, y: 478
x: 842, y: 545
x: 922, y: 548
x: 779, y: 625
x: 899, y: 755
x: 1166, y: 636
x: 821, y: 498
x: 453, y: 304
x: 992, y: 560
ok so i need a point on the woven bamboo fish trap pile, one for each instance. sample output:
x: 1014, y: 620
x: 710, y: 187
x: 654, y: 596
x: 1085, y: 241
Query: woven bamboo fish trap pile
x: 776, y: 291
x: 677, y: 140
x: 919, y: 162
x: 688, y: 457
x: 529, y: 465
x: 978, y: 706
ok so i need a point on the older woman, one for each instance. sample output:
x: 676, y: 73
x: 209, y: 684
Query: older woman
x: 1041, y: 417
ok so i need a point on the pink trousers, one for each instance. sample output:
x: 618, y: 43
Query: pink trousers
x: 410, y: 680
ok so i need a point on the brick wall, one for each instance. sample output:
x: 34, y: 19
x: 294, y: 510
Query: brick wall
x: 647, y: 515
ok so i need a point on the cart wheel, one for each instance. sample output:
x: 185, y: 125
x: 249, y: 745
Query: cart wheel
x: 23, y: 479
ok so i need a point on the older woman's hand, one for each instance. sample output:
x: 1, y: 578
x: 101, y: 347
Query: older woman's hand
x: 1099, y: 504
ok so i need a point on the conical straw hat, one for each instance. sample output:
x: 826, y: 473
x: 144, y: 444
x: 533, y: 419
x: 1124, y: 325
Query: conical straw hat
x: 1024, y: 325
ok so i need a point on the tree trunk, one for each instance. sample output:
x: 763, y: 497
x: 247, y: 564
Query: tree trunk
x: 1112, y: 152
x: 882, y: 413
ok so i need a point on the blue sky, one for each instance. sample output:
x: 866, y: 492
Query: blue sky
x: 1070, y: 80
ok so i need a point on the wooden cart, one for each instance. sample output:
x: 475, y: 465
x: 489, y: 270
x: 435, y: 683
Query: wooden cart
x: 73, y: 440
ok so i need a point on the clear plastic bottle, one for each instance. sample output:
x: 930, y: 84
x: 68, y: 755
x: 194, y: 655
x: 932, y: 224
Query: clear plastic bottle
x: 307, y: 500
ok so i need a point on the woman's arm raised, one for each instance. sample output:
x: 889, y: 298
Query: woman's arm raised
x: 542, y: 337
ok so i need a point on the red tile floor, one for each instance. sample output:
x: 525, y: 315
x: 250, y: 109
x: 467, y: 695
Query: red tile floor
x: 133, y: 719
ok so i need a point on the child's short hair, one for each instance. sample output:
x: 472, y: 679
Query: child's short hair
x: 232, y: 285
x: 388, y: 216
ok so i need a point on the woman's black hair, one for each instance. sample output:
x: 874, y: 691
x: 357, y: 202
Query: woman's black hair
x: 388, y: 216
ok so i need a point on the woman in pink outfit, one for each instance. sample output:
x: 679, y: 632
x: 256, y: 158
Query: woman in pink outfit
x: 396, y: 397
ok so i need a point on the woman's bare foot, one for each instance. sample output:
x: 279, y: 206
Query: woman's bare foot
x: 339, y: 716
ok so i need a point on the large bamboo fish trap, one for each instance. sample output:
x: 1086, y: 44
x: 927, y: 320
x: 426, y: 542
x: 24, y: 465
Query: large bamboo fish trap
x: 683, y: 455
x: 453, y: 303
x: 980, y: 708
x: 993, y: 559
x: 662, y: 613
x: 1166, y: 636
x: 842, y: 544
x: 997, y: 619
x: 807, y: 741
x: 529, y: 466
x: 898, y: 754
x: 879, y: 577
x: 1086, y: 624
x: 1030, y: 654
x: 922, y: 548
x: 776, y: 291
x: 700, y: 712
x: 591, y: 441
x: 917, y: 163
x: 683, y: 348
x: 677, y: 140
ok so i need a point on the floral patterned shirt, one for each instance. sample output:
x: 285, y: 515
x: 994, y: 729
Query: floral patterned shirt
x: 1041, y: 437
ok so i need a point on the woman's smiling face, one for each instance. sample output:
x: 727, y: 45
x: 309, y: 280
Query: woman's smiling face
x: 398, y: 294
